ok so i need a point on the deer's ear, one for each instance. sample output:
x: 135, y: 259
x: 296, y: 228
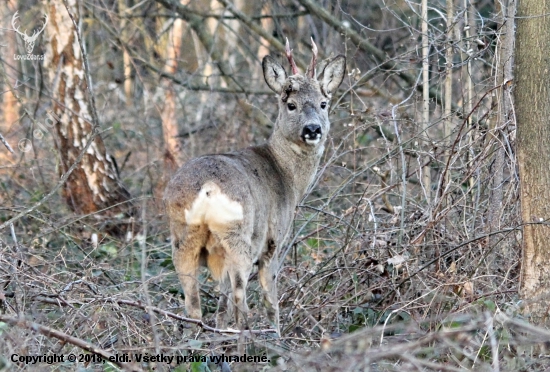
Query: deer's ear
x: 332, y: 75
x: 274, y: 74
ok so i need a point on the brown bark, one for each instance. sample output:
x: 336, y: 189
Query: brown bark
x: 169, y: 119
x: 10, y: 106
x: 532, y: 97
x: 267, y: 24
x: 127, y: 66
x: 94, y: 184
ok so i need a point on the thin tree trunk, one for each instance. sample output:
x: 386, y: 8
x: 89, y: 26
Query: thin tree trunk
x: 504, y: 106
x: 267, y: 24
x: 10, y: 106
x: 532, y: 101
x: 168, y: 116
x: 469, y: 29
x: 426, y: 171
x: 125, y: 55
x: 94, y: 184
x: 447, y: 125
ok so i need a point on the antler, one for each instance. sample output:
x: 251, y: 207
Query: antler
x: 290, y: 58
x: 311, y: 68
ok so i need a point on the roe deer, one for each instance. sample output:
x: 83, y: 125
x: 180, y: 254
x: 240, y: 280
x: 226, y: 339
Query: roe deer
x: 231, y: 211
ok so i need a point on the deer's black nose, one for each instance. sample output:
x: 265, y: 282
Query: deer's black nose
x: 312, y: 132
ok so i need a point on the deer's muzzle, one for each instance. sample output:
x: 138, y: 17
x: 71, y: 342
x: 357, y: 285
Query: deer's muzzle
x: 311, y: 134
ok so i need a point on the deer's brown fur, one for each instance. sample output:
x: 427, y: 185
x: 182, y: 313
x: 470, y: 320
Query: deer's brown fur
x: 230, y: 211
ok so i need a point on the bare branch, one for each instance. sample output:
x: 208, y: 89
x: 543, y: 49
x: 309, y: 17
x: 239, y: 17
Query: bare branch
x: 366, y: 46
x: 199, y: 322
x: 3, y: 140
x: 256, y: 27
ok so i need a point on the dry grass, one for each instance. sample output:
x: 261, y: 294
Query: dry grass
x: 360, y: 289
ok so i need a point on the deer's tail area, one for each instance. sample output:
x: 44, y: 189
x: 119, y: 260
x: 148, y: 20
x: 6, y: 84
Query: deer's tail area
x: 213, y: 208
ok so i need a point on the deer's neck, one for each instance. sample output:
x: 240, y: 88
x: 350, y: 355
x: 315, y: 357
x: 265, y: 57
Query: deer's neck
x: 299, y: 167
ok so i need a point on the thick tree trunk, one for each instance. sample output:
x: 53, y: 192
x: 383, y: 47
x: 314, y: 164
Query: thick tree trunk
x: 94, y: 184
x: 532, y: 97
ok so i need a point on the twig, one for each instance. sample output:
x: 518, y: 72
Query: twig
x: 257, y: 28
x: 142, y: 240
x: 219, y: 16
x: 403, y: 164
x: 492, y: 340
x: 190, y: 320
x: 458, y: 246
x: 3, y: 140
x: 370, y: 49
x: 175, y: 316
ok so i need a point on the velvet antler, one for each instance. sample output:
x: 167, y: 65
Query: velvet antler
x: 290, y: 58
x: 311, y: 68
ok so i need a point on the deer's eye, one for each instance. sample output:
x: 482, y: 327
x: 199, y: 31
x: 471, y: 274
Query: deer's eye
x: 291, y: 106
x: 323, y: 105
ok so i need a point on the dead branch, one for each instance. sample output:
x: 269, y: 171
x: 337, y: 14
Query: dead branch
x: 158, y: 310
x: 3, y: 140
x: 190, y: 320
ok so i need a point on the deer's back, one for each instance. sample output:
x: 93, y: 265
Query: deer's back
x: 244, y: 190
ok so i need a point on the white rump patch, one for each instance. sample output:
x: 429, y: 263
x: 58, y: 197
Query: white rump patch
x: 213, y: 208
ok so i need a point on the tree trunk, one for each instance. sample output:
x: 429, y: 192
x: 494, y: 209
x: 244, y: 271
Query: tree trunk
x: 127, y: 66
x: 10, y: 106
x: 503, y: 73
x: 426, y: 171
x: 172, y: 148
x: 532, y: 97
x: 94, y: 184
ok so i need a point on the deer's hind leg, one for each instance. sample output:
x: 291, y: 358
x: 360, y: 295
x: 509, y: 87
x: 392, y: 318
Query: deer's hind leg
x: 267, y: 274
x: 187, y: 244
x: 239, y: 266
x: 225, y: 303
x: 217, y: 264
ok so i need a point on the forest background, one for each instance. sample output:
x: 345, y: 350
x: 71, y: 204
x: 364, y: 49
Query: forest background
x: 407, y: 255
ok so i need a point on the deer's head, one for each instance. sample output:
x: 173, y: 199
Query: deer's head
x: 304, y: 99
